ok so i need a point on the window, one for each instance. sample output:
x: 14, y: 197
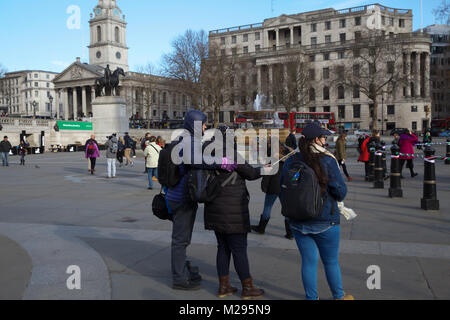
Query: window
x: 243, y: 101
x: 390, y: 67
x: 312, y: 74
x: 342, y: 37
x: 326, y: 93
x: 391, y: 109
x: 357, y: 21
x: 327, y: 25
x: 36, y: 84
x: 154, y: 97
x: 184, y: 101
x: 328, y: 39
x: 35, y: 75
x: 414, y: 125
x: 340, y: 70
x: 383, y: 20
x: 356, y: 92
x: 222, y: 40
x: 313, y: 40
x: 174, y: 99
x: 326, y: 73
x: 257, y: 48
x: 245, y: 49
x: 312, y: 94
x: 314, y: 27
x: 232, y: 82
x: 356, y: 70
x: 233, y: 51
x: 341, y: 54
x: 164, y: 98
x: 222, y: 52
x: 245, y: 37
x: 357, y: 35
x: 117, y: 34
x: 390, y: 125
x: 257, y: 36
x: 174, y: 114
x: 391, y: 22
x: 48, y: 85
x: 48, y: 77
x: 401, y: 23
x: 326, y: 56
x: 312, y: 58
x: 356, y: 111
x: 221, y: 116
x: 99, y: 33
x: 341, y: 92
x: 154, y: 113
x: 233, y: 39
x: 341, y: 112
x: 342, y: 23
x: 326, y: 109
x: 232, y: 99
x: 413, y: 108
x: 312, y: 109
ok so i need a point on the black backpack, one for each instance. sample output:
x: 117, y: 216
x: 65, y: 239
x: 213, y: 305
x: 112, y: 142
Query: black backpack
x: 203, y: 185
x: 159, y: 207
x: 301, y: 197
x: 168, y: 173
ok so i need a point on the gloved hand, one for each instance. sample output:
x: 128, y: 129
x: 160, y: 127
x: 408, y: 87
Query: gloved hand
x: 228, y: 165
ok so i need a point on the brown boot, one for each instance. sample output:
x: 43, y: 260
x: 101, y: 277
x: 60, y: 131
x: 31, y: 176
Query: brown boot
x: 225, y: 288
x: 249, y: 291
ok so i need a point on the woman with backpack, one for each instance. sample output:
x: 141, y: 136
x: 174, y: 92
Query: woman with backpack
x: 151, y: 153
x: 92, y: 154
x: 228, y: 216
x: 319, y: 235
x: 112, y: 147
x: 270, y: 185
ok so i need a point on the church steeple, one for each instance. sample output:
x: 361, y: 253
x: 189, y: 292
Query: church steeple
x: 108, y: 36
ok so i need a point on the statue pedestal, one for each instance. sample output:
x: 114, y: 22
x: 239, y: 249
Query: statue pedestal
x: 109, y: 116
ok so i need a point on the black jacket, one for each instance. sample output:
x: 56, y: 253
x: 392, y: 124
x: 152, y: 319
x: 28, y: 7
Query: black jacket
x: 5, y: 146
x: 291, y: 141
x: 229, y: 212
x: 271, y: 184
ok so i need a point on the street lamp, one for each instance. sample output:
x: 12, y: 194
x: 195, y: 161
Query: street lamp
x: 50, y: 98
x: 34, y: 104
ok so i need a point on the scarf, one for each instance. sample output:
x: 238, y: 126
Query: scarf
x: 348, y: 213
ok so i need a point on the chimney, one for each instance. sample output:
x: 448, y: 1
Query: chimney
x: 78, y: 60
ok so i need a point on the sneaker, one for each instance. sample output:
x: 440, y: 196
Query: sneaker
x: 188, y: 285
x: 346, y: 297
x: 414, y: 174
x: 149, y: 188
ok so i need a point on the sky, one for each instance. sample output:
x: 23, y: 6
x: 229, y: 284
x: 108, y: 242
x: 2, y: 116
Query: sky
x: 35, y: 35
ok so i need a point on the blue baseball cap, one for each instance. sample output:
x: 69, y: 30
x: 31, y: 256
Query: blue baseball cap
x: 313, y: 130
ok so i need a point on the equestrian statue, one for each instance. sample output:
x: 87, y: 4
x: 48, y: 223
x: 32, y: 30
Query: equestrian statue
x: 109, y: 82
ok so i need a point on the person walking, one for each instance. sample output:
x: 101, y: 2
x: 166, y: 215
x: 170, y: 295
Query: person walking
x: 228, y: 216
x: 341, y: 154
x: 85, y: 148
x: 5, y: 148
x: 406, y: 143
x: 364, y: 155
x: 128, y: 146
x: 120, y: 151
x: 321, y: 235
x: 151, y: 154
x: 112, y: 147
x: 143, y: 146
x: 270, y: 185
x: 22, y: 151
x: 92, y: 154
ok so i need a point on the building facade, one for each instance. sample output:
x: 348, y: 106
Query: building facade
x: 28, y: 93
x: 440, y: 70
x: 327, y: 37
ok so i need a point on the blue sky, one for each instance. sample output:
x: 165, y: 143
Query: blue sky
x: 35, y: 36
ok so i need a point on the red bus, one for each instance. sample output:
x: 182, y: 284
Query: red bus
x: 300, y: 119
x: 439, y: 125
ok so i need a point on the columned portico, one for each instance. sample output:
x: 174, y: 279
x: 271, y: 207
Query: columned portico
x: 83, y: 101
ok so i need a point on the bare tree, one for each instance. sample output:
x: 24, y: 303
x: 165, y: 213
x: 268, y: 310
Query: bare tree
x: 442, y: 12
x: 184, y: 62
x: 291, y: 83
x: 217, y: 79
x: 375, y: 67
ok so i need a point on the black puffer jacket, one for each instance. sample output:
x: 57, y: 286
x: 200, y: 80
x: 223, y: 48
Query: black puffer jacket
x: 229, y: 212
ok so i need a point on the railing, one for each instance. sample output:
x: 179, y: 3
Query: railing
x: 24, y: 122
x: 239, y: 28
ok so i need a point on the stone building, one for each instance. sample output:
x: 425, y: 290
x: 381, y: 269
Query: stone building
x: 328, y: 38
x: 28, y: 93
x: 147, y: 96
x: 440, y: 70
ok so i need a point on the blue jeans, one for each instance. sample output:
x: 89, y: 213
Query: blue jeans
x: 5, y: 156
x: 327, y: 245
x: 269, y: 201
x: 151, y: 172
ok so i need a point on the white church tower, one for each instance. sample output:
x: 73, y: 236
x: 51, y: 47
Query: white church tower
x: 108, y: 36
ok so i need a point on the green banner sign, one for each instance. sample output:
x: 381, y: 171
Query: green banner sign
x: 72, y: 125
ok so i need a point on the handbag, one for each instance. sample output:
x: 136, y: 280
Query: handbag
x: 159, y: 207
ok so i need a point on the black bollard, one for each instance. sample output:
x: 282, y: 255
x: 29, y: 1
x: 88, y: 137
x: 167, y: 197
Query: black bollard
x: 429, y: 200
x: 383, y: 147
x: 395, y: 190
x: 371, y: 147
x: 378, y: 169
x: 447, y: 161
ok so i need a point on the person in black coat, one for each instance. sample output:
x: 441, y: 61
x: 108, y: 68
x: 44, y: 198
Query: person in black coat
x: 228, y: 216
x: 270, y: 185
x: 291, y: 140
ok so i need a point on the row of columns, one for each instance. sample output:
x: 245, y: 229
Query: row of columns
x: 418, y: 73
x: 277, y: 32
x: 66, y: 103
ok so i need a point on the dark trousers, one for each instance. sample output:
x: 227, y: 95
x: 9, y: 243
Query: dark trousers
x: 236, y: 245
x: 409, y: 164
x: 120, y: 156
x: 344, y: 167
x: 93, y: 160
x: 183, y: 224
x: 366, y: 168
